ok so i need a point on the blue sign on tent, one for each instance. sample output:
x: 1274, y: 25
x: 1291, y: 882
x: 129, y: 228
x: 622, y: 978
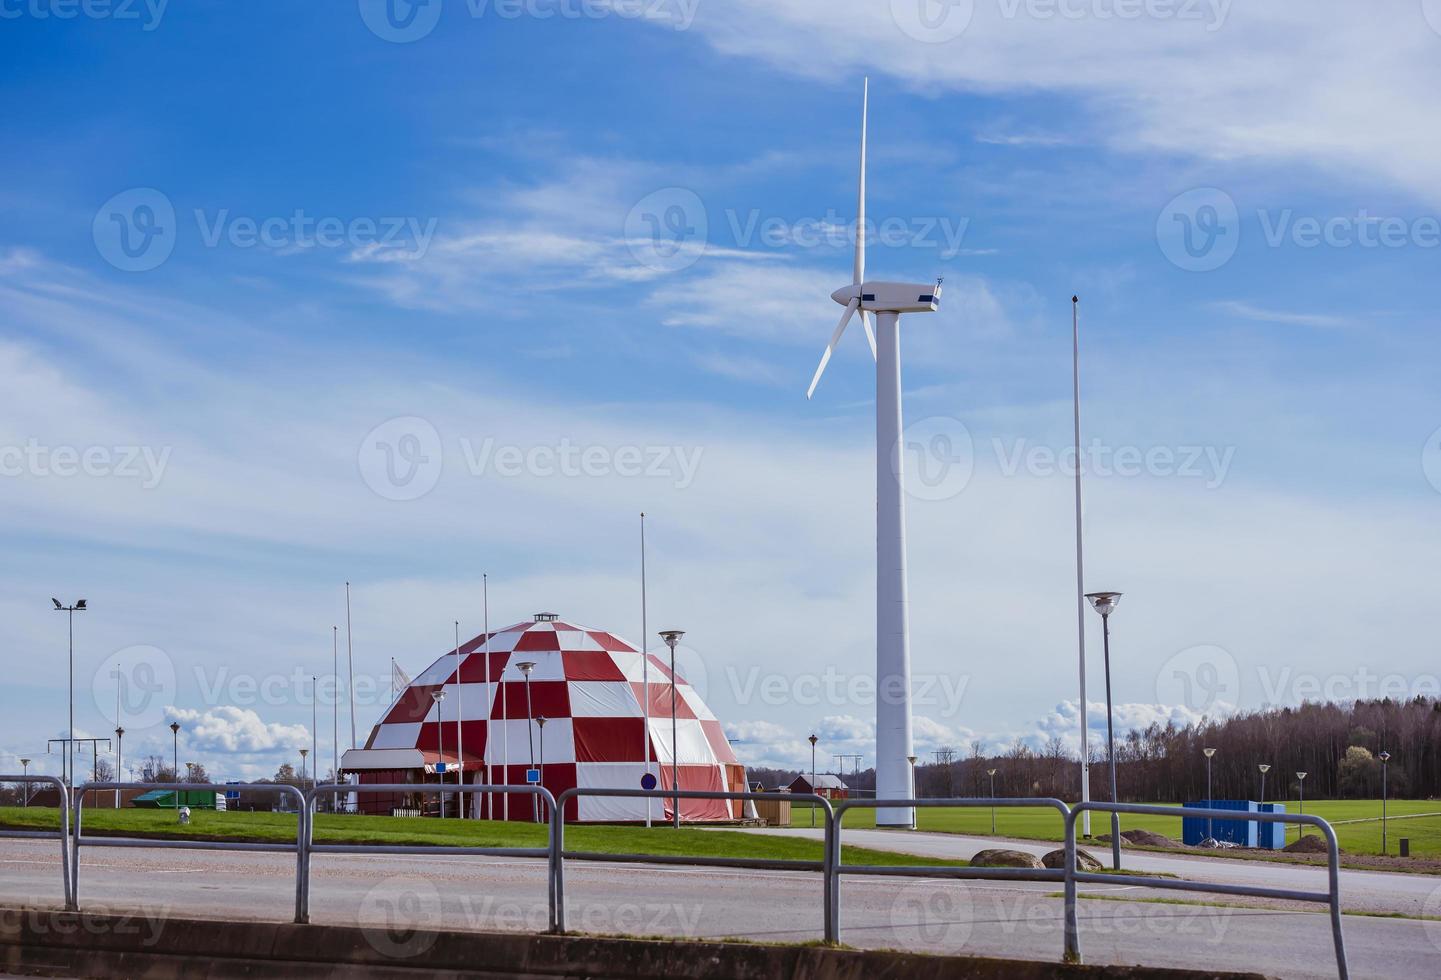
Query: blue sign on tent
x: 532, y: 776
x: 440, y: 767
x: 647, y: 781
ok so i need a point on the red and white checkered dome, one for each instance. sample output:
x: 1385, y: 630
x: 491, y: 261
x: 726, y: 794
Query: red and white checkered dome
x: 589, y: 686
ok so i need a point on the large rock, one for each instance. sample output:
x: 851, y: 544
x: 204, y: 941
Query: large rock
x: 1084, y: 861
x: 1003, y: 858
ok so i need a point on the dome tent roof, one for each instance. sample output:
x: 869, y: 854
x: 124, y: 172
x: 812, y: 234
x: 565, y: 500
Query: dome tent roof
x: 589, y: 686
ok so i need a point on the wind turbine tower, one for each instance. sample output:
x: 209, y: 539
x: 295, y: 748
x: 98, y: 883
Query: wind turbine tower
x: 887, y: 301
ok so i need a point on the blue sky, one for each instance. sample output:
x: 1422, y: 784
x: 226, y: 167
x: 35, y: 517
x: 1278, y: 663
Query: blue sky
x: 490, y: 278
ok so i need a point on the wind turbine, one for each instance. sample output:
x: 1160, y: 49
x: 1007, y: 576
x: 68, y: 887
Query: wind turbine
x: 887, y: 300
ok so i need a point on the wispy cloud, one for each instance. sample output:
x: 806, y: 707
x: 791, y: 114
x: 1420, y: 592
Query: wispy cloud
x: 1248, y: 311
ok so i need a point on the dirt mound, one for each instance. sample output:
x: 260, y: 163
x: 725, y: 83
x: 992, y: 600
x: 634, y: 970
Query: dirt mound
x: 1084, y: 861
x: 1002, y: 858
x: 1141, y: 838
x: 1310, y: 844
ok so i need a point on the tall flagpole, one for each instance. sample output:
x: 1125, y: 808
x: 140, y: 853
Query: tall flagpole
x: 459, y: 731
x: 350, y: 659
x: 645, y: 658
x: 1080, y: 566
x: 489, y: 694
x: 335, y: 706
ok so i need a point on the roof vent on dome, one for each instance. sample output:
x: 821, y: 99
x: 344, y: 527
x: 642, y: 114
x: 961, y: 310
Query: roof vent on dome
x: 546, y: 617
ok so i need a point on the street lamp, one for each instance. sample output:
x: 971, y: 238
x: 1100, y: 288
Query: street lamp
x: 541, y: 723
x: 525, y: 667
x: 912, y: 760
x: 438, y: 697
x: 813, y: 741
x: 1301, y: 785
x: 303, y: 768
x: 1210, y: 802
x: 25, y: 766
x: 1264, y: 769
x: 119, y: 742
x: 672, y: 637
x: 1105, y: 604
x: 992, y: 774
x: 79, y: 606
x: 175, y: 750
x: 1385, y: 758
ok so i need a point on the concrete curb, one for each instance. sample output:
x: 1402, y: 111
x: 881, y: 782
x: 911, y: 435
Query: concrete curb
x: 46, y: 942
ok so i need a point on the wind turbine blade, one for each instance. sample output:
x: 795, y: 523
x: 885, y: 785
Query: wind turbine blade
x: 870, y: 335
x: 860, y: 269
x: 831, y: 347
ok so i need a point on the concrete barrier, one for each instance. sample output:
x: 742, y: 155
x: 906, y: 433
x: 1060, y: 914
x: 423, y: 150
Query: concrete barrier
x: 84, y: 945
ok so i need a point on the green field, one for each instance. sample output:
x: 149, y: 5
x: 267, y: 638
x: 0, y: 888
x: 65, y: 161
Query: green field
x: 333, y: 829
x: 1040, y: 823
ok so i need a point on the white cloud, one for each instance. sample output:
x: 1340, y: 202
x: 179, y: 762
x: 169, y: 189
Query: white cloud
x: 1248, y: 311
x: 1221, y: 85
x: 230, y: 730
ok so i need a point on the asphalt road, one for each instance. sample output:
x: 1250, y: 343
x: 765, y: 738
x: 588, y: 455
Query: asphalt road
x: 394, y: 893
x: 1377, y: 892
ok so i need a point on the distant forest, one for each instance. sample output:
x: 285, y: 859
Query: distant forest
x: 1336, y: 745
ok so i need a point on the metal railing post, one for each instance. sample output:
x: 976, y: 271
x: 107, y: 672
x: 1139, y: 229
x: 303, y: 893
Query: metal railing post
x: 1072, y: 951
x: 557, y: 866
x: 832, y: 933
x: 62, y: 834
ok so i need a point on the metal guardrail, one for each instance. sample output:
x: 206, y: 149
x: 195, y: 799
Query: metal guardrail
x: 300, y: 848
x: 1063, y: 875
x: 830, y: 867
x: 62, y: 835
x: 550, y: 852
x: 1331, y: 897
x: 824, y: 866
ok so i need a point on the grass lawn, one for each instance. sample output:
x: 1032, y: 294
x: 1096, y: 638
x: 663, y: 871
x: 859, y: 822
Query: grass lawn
x: 1042, y: 823
x: 336, y: 829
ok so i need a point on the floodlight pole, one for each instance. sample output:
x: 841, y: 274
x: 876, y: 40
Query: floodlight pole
x: 175, y: 750
x: 70, y: 610
x: 1080, y: 568
x: 672, y: 637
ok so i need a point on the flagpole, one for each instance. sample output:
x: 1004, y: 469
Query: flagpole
x: 335, y: 707
x: 459, y: 731
x: 645, y: 659
x: 350, y: 659
x: 1080, y: 566
x: 489, y: 694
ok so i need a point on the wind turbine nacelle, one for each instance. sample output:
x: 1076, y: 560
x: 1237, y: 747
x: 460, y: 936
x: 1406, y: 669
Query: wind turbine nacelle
x: 892, y: 297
